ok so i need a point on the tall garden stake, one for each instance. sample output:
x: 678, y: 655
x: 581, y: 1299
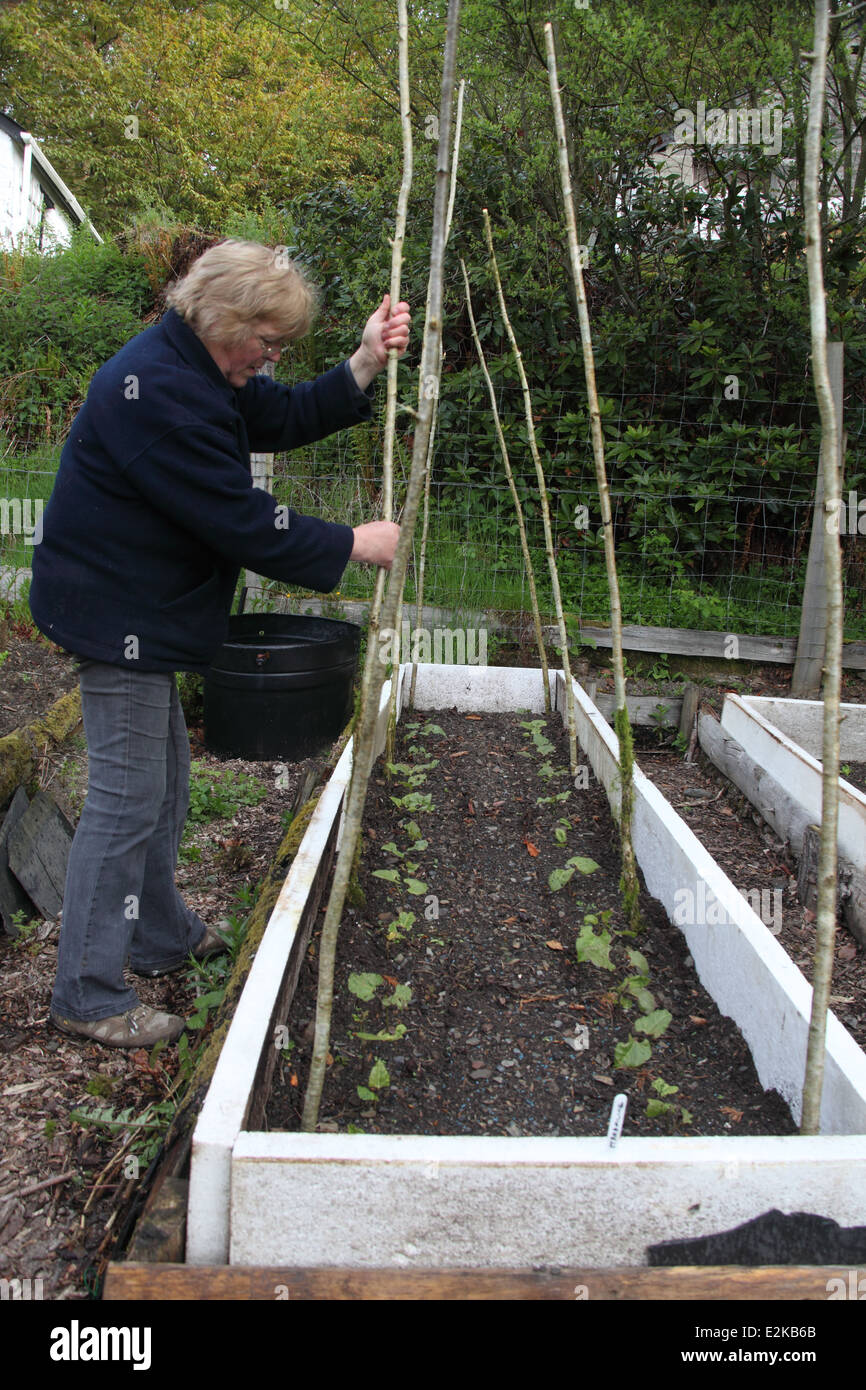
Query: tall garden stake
x: 825, y: 925
x: 629, y: 884
x: 396, y: 267
x: 545, y: 509
x: 518, y: 509
x: 425, y: 523
x: 391, y: 397
x: 365, y: 729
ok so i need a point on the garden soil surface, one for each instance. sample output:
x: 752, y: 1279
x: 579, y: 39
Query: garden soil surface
x: 478, y: 1016
x: 64, y: 1194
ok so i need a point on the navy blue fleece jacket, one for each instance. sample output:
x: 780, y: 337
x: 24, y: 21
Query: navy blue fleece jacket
x: 153, y: 511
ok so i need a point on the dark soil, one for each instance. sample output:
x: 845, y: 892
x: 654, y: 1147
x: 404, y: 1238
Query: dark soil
x: 856, y: 775
x: 506, y: 1031
x: 33, y: 674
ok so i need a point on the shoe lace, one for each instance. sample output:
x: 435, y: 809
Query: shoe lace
x: 137, y: 1017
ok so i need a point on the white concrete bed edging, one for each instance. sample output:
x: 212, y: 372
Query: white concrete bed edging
x: 784, y: 736
x: 802, y: 721
x: 476, y: 1201
x: 379, y: 1200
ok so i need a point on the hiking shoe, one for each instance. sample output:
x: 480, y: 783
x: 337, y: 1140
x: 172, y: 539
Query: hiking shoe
x: 138, y: 1027
x: 211, y: 944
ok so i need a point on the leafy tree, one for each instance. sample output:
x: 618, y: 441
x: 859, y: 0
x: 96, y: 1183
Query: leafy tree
x: 195, y: 110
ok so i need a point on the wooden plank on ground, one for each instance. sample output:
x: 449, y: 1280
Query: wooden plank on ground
x: 807, y: 871
x: 680, y: 1283
x: 160, y: 1234
x: 38, y: 853
x: 12, y: 896
x: 689, y: 711
x: 677, y: 641
x: 651, y: 711
x: 779, y: 809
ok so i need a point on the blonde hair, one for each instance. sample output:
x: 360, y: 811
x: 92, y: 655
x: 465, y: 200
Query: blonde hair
x: 236, y: 283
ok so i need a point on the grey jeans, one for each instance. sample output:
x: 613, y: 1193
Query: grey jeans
x: 120, y: 900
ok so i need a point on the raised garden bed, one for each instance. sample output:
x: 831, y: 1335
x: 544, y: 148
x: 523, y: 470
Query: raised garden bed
x: 784, y: 737
x: 394, y: 1201
x: 763, y: 867
x: 461, y: 974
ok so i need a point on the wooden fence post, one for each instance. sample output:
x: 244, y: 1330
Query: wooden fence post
x: 809, y: 664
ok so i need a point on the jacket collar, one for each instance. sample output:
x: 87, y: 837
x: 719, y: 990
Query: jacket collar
x: 192, y: 349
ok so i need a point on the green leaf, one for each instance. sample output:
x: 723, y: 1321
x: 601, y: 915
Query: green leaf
x: 398, y: 1033
x: 635, y: 986
x: 415, y: 886
x: 364, y: 985
x: 583, y: 865
x: 391, y: 875
x: 558, y: 878
x: 654, y: 1108
x: 209, y: 1000
x: 379, y: 1076
x: 392, y: 849
x: 638, y: 962
x: 655, y: 1023
x: 364, y: 1094
x: 594, y: 949
x: 686, y: 1117
x: 631, y: 1053
x: 400, y: 998
x: 662, y: 1087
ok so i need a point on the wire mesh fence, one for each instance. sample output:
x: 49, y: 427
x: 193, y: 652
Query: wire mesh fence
x: 712, y: 498
x: 712, y: 511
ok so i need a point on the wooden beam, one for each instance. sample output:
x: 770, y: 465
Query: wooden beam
x: 159, y: 1235
x: 779, y: 809
x: 12, y: 896
x: 258, y: 1282
x: 679, y: 641
x: 38, y: 848
x: 670, y: 641
x: 651, y: 711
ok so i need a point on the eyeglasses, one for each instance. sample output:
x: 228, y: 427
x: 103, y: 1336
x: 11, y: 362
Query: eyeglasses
x: 268, y: 346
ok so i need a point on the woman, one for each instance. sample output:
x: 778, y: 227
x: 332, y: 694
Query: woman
x: 152, y: 515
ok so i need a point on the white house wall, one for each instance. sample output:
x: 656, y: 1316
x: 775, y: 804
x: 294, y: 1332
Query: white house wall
x: 21, y: 211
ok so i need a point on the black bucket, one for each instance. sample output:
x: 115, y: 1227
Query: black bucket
x: 281, y: 686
